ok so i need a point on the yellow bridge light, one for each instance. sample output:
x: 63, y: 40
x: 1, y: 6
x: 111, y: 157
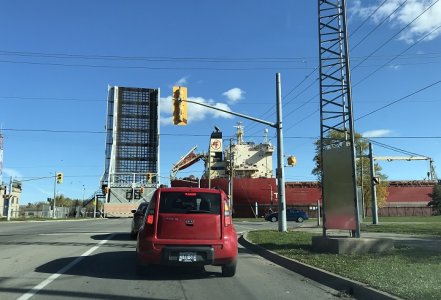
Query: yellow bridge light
x: 292, y: 161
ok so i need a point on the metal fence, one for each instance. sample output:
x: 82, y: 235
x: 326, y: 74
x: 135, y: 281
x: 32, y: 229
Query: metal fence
x: 44, y: 211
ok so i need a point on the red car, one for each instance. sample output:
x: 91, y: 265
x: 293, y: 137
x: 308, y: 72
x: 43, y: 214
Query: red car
x: 188, y: 226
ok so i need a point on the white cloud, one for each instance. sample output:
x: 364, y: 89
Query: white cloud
x: 195, y: 112
x: 182, y: 81
x: 377, y: 133
x: 233, y: 95
x: 425, y: 24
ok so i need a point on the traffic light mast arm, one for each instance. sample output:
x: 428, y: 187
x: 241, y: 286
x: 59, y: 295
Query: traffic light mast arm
x: 274, y: 125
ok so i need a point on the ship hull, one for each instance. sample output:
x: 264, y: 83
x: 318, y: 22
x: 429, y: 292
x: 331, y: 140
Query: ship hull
x: 247, y: 192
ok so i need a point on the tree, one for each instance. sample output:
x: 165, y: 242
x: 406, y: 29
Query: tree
x: 362, y: 167
x: 435, y: 203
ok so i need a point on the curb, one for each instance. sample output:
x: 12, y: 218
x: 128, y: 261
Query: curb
x: 356, y: 289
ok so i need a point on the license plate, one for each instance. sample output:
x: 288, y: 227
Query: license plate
x: 187, y: 256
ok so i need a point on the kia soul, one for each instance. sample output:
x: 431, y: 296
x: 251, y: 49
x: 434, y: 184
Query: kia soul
x: 188, y: 227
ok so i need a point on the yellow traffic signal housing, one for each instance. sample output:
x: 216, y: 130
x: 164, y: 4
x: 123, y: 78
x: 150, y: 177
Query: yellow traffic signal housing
x: 59, y: 177
x: 149, y: 177
x: 180, y: 105
x: 292, y: 160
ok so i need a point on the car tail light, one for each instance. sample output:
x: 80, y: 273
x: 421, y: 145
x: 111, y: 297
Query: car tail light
x: 227, y: 214
x: 149, y: 219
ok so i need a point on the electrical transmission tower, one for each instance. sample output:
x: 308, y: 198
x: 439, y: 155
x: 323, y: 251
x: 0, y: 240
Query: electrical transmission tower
x: 336, y: 120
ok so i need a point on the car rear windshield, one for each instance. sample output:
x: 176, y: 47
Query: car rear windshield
x: 189, y: 202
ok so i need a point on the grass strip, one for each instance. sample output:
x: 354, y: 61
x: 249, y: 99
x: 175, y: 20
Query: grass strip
x: 409, y: 273
x: 432, y: 228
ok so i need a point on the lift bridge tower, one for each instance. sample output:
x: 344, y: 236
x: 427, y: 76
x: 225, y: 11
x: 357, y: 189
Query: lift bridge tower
x: 337, y: 155
x: 131, y: 171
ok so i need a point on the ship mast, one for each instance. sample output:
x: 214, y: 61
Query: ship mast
x: 239, y: 133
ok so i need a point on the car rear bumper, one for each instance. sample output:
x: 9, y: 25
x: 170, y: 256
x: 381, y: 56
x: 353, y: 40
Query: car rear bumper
x: 169, y: 253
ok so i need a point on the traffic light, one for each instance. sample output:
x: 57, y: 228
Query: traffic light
x: 59, y: 177
x: 149, y: 177
x: 179, y: 105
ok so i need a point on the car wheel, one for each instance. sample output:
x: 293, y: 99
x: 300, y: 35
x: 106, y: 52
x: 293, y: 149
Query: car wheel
x: 229, y: 269
x: 300, y: 219
x: 273, y: 219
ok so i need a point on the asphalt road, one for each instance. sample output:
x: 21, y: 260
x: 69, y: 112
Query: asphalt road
x: 94, y: 259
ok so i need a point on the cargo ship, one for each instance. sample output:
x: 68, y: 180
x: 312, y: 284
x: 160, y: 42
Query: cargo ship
x: 244, y: 170
x: 254, y: 187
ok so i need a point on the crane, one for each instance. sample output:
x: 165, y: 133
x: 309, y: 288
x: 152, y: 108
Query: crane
x: 186, y: 161
x: 431, y: 174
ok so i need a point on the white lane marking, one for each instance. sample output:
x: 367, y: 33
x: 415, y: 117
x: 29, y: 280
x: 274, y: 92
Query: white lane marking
x: 63, y: 270
x: 74, y: 233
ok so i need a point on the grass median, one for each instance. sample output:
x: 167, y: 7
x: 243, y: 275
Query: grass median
x: 410, y: 273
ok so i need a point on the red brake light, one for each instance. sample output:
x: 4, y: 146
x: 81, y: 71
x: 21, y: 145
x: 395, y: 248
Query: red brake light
x: 149, y: 219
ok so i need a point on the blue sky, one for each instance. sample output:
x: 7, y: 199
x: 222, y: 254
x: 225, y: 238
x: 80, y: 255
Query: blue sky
x: 57, y: 59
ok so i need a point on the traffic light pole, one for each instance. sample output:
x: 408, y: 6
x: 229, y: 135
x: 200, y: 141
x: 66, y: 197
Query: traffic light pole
x: 278, y: 126
x: 55, y: 194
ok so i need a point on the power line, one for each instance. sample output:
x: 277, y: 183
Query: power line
x: 153, y: 68
x: 392, y: 59
x: 363, y: 39
x: 399, y: 150
x: 396, y: 34
x: 206, y: 135
x: 154, y: 58
x: 54, y: 131
x: 379, y: 24
x: 51, y: 99
x: 368, y: 18
x: 398, y: 100
x: 381, y: 46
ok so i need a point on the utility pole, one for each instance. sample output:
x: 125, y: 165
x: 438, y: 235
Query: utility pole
x: 373, y: 188
x: 280, y: 173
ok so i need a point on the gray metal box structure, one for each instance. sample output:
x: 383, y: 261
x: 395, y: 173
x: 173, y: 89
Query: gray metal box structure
x: 132, y: 148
